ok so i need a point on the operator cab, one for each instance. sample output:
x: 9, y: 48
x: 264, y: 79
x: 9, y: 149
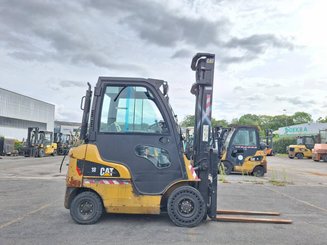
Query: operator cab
x: 132, y: 118
x: 308, y: 141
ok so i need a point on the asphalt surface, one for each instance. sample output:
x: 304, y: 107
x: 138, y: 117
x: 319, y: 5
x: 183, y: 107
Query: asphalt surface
x: 32, y: 212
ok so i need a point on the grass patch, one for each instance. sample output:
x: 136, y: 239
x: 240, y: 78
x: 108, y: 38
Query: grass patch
x: 279, y: 179
x: 277, y: 182
x: 222, y: 174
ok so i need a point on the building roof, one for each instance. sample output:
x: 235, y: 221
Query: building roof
x: 68, y: 123
x: 25, y: 96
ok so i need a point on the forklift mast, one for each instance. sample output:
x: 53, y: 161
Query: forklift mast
x: 269, y: 136
x: 204, y: 159
x: 30, y: 140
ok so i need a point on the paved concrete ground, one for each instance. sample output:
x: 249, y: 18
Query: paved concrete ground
x: 32, y: 212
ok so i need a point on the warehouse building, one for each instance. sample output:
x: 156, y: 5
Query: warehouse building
x: 18, y: 112
x: 67, y: 127
x: 302, y: 129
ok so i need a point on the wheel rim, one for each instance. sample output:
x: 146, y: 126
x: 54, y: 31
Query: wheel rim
x: 258, y: 172
x: 86, y: 209
x: 186, y: 207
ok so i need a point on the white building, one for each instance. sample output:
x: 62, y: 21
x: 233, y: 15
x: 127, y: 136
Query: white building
x: 302, y: 129
x: 18, y: 112
x: 67, y: 127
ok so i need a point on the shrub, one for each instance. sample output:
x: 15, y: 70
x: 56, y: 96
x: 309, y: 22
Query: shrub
x: 18, y: 145
x: 281, y: 144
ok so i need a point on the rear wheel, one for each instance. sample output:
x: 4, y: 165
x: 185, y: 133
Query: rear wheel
x: 290, y: 157
x: 86, y: 208
x: 258, y: 171
x: 324, y: 158
x: 186, y: 207
x: 299, y: 155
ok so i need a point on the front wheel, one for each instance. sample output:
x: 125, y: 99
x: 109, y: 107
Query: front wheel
x: 299, y: 156
x: 324, y: 158
x: 41, y: 153
x: 86, y: 208
x: 186, y: 207
x: 258, y: 171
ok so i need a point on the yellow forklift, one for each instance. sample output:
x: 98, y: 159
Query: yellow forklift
x: 132, y: 160
x: 39, y: 143
x: 303, y: 147
x: 242, y: 152
x: 64, y: 142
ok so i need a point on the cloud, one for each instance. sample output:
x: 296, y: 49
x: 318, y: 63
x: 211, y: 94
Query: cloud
x: 253, y: 97
x: 66, y: 31
x: 72, y: 84
x: 295, y: 100
x: 258, y: 43
x: 182, y: 53
x: 238, y: 89
x: 55, y: 32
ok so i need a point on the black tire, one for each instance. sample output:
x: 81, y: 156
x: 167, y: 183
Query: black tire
x: 86, y: 208
x: 324, y: 158
x: 290, y: 157
x: 41, y: 153
x: 228, y: 167
x: 299, y: 155
x: 186, y: 207
x: 54, y: 153
x: 258, y: 171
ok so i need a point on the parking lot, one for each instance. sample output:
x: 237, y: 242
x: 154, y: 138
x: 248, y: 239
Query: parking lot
x: 32, y: 212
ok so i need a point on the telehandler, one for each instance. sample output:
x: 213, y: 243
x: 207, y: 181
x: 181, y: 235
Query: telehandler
x: 132, y: 160
x: 243, y: 153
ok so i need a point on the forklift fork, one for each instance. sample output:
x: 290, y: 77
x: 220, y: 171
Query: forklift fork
x: 223, y: 216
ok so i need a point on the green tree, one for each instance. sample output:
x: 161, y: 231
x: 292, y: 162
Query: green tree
x: 188, y: 121
x: 322, y: 120
x: 216, y: 122
x: 301, y: 117
x: 249, y: 119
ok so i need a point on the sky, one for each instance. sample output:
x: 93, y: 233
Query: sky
x: 270, y: 55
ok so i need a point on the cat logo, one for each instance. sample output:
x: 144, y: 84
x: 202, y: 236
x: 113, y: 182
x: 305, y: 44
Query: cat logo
x: 107, y: 172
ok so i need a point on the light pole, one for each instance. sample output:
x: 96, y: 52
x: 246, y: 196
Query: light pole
x: 284, y: 110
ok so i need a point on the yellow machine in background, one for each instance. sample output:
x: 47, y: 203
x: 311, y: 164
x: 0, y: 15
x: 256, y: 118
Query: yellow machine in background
x: 303, y: 147
x: 39, y: 143
x: 243, y: 153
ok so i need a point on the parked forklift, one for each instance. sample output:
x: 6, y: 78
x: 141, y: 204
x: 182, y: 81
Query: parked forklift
x: 64, y: 142
x: 243, y: 153
x: 39, y: 143
x: 132, y: 160
x: 303, y: 147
